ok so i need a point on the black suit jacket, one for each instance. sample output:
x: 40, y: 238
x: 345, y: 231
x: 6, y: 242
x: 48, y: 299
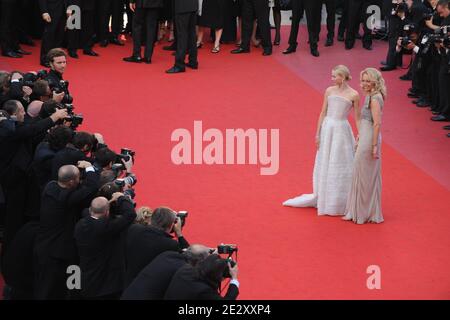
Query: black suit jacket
x: 186, y: 285
x: 88, y: 5
x: 101, y: 253
x: 145, y: 243
x: 153, y: 281
x: 60, y: 211
x: 185, y: 6
x: 66, y: 156
x: 50, y: 6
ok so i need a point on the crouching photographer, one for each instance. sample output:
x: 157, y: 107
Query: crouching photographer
x: 98, y: 239
x: 145, y: 243
x: 203, y: 281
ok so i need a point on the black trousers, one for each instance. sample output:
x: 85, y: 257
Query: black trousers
x: 9, y: 28
x: 313, y: 10
x: 251, y: 10
x: 186, y: 38
x: 298, y: 10
x: 145, y: 21
x: 344, y: 19
x: 83, y: 38
x: 444, y: 85
x: 330, y: 5
x: 53, y: 36
x: 106, y: 10
x: 357, y: 14
x: 51, y: 277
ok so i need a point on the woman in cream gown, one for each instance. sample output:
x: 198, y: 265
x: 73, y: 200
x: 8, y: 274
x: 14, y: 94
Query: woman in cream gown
x: 335, y: 149
x: 364, y: 201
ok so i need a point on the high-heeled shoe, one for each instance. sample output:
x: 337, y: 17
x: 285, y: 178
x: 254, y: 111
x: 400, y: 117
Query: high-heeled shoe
x: 215, y: 49
x: 256, y: 43
x: 199, y: 45
x: 277, y: 40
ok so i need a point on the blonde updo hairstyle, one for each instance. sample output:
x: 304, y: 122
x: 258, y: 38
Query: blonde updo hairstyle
x: 375, y: 77
x: 343, y: 71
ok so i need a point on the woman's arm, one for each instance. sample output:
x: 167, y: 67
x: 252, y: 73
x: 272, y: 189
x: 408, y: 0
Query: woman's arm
x: 375, y: 108
x: 323, y: 113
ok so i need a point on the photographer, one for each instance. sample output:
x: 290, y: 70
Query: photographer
x: 99, y: 246
x: 203, y: 281
x: 42, y: 92
x: 61, y: 206
x: 144, y: 243
x: 15, y: 159
x: 13, y: 88
x: 58, y: 62
x: 442, y: 110
x: 153, y: 281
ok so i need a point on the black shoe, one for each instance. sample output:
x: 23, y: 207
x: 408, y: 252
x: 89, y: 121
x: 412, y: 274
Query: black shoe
x: 240, y: 50
x: 388, y: 68
x: 192, y: 65
x: 12, y: 54
x: 405, y: 77
x: 367, y: 47
x: 90, y: 53
x: 329, y: 42
x: 104, y: 43
x: 349, y: 45
x: 289, y: 50
x: 423, y: 104
x: 116, y: 42
x: 73, y: 54
x: 446, y: 127
x: 439, y: 118
x: 340, y: 38
x: 315, y: 52
x: 133, y: 59
x: 170, y: 48
x: 267, y: 52
x: 22, y: 52
x: 175, y: 69
x: 435, y: 113
x: 413, y: 95
x: 147, y: 60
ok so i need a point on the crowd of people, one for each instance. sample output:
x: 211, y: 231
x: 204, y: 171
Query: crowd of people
x: 66, y: 201
x: 422, y: 30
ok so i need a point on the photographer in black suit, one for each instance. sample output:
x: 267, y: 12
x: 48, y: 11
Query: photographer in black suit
x: 203, y: 281
x: 153, y: 281
x: 185, y: 21
x: 57, y: 60
x: 145, y: 21
x: 99, y: 246
x: 145, y: 243
x: 61, y: 206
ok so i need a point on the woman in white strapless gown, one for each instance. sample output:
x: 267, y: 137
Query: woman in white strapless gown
x: 332, y: 176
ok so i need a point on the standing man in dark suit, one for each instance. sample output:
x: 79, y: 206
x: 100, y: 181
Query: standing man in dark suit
x: 259, y: 10
x: 54, y: 14
x: 9, y: 29
x: 86, y: 34
x: 99, y: 246
x: 330, y: 5
x: 357, y: 14
x: 145, y: 18
x: 185, y: 20
x: 108, y: 8
x: 298, y: 10
x: 313, y: 10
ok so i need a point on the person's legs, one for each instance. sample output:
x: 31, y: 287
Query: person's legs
x: 192, y: 39
x: 151, y: 23
x: 182, y: 25
x: 138, y: 23
x: 277, y: 20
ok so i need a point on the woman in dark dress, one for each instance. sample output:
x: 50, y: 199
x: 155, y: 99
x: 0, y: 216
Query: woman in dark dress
x: 212, y: 16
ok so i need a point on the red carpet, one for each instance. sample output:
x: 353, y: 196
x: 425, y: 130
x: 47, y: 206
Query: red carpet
x: 284, y: 253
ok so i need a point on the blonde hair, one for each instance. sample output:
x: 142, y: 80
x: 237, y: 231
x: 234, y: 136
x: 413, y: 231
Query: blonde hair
x: 375, y: 76
x: 343, y: 71
x: 143, y: 215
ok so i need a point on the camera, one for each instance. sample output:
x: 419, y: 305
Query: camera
x: 405, y: 41
x: 182, y: 215
x: 126, y: 154
x: 75, y: 119
x: 130, y: 180
x: 227, y: 249
x: 64, y: 87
